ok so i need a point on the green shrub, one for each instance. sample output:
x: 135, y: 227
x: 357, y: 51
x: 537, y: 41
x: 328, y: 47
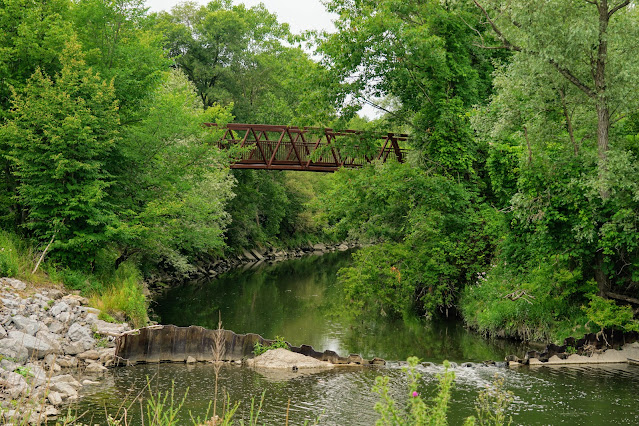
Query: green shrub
x: 417, y: 412
x: 540, y: 302
x: 606, y: 313
x: 279, y: 343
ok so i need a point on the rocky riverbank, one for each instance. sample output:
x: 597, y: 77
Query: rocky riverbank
x: 51, y: 345
x: 606, y: 347
x: 270, y: 255
x: 252, y: 258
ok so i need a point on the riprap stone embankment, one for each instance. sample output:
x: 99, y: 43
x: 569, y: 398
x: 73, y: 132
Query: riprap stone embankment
x: 51, y: 345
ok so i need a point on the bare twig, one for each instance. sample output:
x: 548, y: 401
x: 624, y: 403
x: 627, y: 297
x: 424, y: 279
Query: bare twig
x: 45, y: 251
x: 520, y: 294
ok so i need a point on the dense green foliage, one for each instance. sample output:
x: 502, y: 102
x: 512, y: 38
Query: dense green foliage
x: 518, y: 205
x: 528, y: 140
x: 105, y: 163
x: 436, y: 237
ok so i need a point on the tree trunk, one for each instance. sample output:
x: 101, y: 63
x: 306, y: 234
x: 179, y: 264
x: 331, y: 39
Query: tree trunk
x: 603, y: 112
x: 603, y: 125
x: 603, y: 282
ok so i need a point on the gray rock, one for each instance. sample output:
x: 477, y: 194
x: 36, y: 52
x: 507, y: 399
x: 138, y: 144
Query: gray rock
x: 91, y: 318
x: 58, y: 308
x: 106, y: 353
x: 56, y: 327
x: 36, y: 348
x: 55, y: 294
x: 74, y: 300
x: 64, y: 317
x: 50, y: 411
x: 190, y: 360
x: 49, y: 360
x: 10, y: 302
x: 88, y: 343
x: 109, y: 329
x: 90, y: 355
x: 89, y: 310
x: 16, y: 284
x: 3, y: 332
x: 11, y: 349
x: 79, y: 332
x: 38, y: 376
x: 88, y: 382
x: 52, y: 339
x: 65, y: 389
x: 94, y: 367
x: 68, y: 379
x: 14, y: 383
x: 5, y: 364
x: 11, y: 417
x: 5, y: 320
x: 27, y: 325
x: 67, y: 362
x: 319, y: 247
x: 55, y: 398
x: 73, y: 348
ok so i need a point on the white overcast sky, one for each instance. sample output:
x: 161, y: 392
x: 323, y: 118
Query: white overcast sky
x: 301, y: 15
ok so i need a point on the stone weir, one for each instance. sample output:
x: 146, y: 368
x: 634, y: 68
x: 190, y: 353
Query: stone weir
x: 169, y: 343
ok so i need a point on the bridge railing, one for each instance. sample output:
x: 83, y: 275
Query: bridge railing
x: 311, y: 149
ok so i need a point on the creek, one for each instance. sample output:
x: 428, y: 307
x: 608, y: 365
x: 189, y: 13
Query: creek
x: 301, y: 301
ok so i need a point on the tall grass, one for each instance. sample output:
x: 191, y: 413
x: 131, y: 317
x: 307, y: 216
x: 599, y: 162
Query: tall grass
x: 18, y: 258
x: 118, y: 294
x: 123, y: 296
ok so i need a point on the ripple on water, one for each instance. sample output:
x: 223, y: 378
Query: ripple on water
x: 580, y: 395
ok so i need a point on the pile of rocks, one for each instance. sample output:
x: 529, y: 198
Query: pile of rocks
x: 50, y: 342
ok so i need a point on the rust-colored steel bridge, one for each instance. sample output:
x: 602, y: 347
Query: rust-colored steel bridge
x: 272, y: 147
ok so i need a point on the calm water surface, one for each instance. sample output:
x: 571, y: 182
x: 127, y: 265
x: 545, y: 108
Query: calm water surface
x: 301, y: 301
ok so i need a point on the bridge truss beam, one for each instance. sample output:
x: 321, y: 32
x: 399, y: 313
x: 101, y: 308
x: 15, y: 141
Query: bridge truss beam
x: 273, y: 147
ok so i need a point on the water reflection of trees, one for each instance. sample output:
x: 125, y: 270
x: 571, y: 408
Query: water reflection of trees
x: 302, y: 301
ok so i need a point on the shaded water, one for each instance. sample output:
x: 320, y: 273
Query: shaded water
x: 300, y: 300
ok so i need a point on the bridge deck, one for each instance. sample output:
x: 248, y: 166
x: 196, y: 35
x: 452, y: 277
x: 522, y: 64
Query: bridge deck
x: 273, y: 147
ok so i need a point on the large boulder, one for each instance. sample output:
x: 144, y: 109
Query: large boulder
x: 109, y: 329
x: 79, y: 332
x: 11, y: 349
x: 37, y: 376
x: 64, y: 389
x: 14, y: 384
x: 73, y: 348
x: 51, y: 339
x: 285, y: 359
x: 58, y: 308
x: 27, y: 325
x: 36, y: 348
